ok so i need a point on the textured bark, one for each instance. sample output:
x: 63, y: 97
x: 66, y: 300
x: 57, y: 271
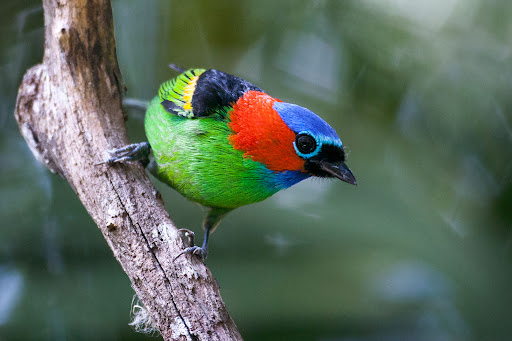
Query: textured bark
x: 69, y: 112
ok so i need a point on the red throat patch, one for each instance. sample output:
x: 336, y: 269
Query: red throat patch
x: 261, y: 134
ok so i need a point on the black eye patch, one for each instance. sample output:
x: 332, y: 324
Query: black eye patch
x: 331, y: 153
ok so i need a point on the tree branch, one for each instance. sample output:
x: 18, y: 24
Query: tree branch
x: 69, y: 112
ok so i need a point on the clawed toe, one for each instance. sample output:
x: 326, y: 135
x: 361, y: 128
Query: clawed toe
x: 194, y: 250
x: 132, y: 152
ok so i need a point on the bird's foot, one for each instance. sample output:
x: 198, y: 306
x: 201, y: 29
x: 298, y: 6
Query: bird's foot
x: 200, y: 252
x: 192, y: 249
x: 132, y: 152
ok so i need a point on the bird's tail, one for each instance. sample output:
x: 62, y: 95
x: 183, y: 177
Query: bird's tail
x: 177, y: 68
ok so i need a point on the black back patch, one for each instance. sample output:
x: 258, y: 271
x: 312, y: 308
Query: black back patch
x: 216, y: 89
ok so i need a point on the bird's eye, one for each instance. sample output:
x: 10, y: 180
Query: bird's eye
x: 305, y: 143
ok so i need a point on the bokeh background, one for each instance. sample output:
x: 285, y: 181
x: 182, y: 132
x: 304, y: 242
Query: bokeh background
x: 420, y: 92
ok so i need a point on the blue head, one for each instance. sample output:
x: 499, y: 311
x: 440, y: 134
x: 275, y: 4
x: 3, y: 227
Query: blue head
x: 316, y: 142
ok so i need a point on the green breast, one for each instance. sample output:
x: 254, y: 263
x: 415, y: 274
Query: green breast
x: 194, y: 157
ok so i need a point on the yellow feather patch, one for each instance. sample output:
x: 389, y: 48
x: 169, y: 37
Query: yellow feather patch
x: 189, y: 91
x: 180, y: 91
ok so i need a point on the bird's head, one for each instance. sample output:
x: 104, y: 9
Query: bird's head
x: 287, y: 137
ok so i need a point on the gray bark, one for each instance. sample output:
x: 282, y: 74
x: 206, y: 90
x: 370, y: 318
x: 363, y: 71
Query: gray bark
x: 69, y: 112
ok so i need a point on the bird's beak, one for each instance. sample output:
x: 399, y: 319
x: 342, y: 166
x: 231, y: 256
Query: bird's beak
x: 340, y: 171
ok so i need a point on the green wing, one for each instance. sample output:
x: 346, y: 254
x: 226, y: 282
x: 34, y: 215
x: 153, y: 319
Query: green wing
x: 176, y: 94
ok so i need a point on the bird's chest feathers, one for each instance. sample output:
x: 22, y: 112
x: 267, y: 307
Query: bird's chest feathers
x: 262, y: 135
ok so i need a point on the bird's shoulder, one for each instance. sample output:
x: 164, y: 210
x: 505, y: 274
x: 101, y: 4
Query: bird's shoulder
x: 198, y: 93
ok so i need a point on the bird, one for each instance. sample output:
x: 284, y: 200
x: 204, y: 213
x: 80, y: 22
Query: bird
x: 224, y: 143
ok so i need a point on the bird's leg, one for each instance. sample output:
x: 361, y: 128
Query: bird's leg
x: 133, y: 152
x: 211, y: 221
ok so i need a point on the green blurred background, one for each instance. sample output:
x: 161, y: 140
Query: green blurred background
x: 421, y: 93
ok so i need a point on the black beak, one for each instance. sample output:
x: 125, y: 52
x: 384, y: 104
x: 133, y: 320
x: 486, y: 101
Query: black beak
x: 340, y: 171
